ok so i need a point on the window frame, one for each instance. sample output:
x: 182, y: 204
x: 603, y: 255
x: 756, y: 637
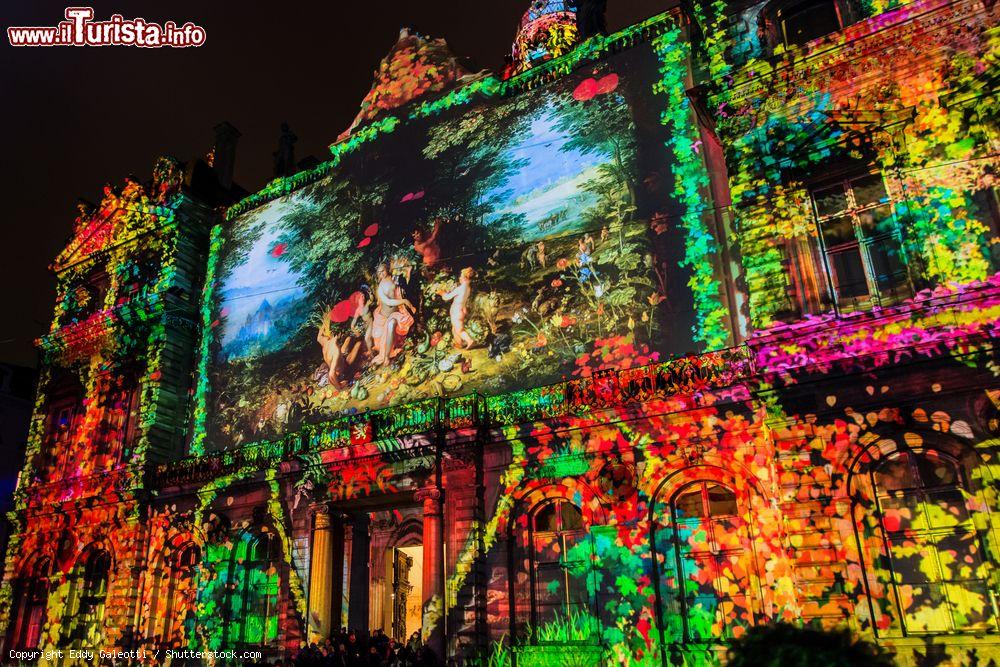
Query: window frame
x: 241, y: 595
x: 803, y: 6
x: 177, y: 570
x: 64, y: 415
x: 773, y: 17
x: 889, y: 579
x: 122, y: 397
x: 560, y: 534
x: 32, y: 595
x: 90, y: 586
x: 860, y: 241
x: 707, y: 520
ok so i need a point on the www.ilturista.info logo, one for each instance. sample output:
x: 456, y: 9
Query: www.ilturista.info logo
x: 79, y: 29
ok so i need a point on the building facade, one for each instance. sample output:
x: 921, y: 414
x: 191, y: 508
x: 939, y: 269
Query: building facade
x: 658, y: 336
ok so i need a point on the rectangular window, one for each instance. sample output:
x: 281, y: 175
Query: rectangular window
x: 862, y: 251
x: 58, y: 460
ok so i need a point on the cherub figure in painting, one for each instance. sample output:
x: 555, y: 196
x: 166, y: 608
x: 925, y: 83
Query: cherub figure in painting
x: 459, y: 297
x: 392, y: 318
x: 339, y: 355
x: 427, y: 245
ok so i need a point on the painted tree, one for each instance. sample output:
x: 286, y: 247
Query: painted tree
x: 472, y: 168
x: 597, y: 119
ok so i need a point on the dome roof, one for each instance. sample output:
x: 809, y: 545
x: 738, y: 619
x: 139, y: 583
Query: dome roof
x: 548, y: 30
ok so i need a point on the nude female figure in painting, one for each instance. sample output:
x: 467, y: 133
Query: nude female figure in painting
x: 392, y: 318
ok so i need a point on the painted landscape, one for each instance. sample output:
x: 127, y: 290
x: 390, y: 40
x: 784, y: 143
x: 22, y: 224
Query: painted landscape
x: 507, y: 246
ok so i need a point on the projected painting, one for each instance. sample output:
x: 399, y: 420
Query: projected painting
x: 506, y: 246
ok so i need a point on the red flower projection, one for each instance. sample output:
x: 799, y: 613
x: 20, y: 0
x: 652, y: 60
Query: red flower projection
x: 587, y: 90
x: 591, y: 88
x: 607, y: 84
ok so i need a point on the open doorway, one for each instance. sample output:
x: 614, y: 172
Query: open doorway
x: 396, y: 572
x: 404, y: 607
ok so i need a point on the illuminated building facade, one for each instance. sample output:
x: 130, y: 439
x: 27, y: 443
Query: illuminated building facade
x: 660, y: 336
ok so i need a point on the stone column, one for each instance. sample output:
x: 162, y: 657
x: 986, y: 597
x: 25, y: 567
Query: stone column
x: 321, y: 575
x: 433, y: 575
x: 360, y: 579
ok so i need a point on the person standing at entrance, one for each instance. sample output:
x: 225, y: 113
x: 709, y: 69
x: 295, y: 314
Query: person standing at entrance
x: 354, y: 650
x: 414, y: 642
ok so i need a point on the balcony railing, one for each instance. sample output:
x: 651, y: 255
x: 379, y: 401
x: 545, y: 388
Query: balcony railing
x: 609, y: 389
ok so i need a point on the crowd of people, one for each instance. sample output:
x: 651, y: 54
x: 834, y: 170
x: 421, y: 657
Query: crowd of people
x: 348, y: 649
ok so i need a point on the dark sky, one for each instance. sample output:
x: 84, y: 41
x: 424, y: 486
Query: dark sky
x: 76, y: 118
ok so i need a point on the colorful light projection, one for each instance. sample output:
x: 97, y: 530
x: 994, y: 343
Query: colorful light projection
x: 705, y: 525
x: 929, y: 130
x: 487, y: 250
x: 548, y: 30
x: 95, y: 407
x: 648, y: 513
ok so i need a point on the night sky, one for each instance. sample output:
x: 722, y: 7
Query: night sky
x: 77, y: 118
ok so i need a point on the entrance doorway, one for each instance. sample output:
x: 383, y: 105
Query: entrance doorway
x: 404, y: 608
x: 396, y: 572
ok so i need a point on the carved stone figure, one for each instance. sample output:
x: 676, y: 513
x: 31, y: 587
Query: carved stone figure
x: 284, y: 157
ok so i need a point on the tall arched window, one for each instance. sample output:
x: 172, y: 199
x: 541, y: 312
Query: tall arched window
x: 175, y: 597
x: 931, y: 560
x: 83, y: 617
x: 255, y: 586
x: 562, y: 606
x: 29, y: 608
x: 704, y: 564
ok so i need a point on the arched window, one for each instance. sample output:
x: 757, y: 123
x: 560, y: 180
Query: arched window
x: 83, y: 617
x: 29, y: 608
x: 175, y: 597
x: 254, y: 588
x: 562, y: 608
x: 931, y: 560
x: 704, y: 564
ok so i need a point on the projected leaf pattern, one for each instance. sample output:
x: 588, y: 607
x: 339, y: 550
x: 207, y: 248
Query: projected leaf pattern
x: 837, y: 485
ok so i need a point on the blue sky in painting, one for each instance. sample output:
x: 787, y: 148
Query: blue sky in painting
x: 551, y: 179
